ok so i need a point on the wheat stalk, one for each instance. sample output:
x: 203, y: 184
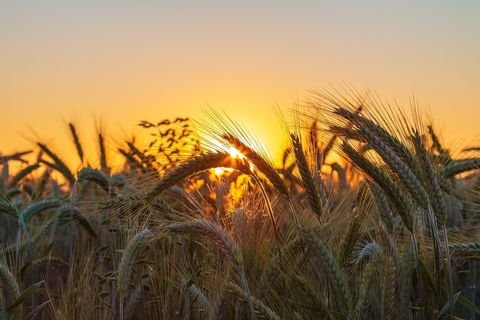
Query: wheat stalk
x: 22, y: 174
x: 223, y: 241
x: 332, y: 268
x: 127, y: 263
x: 460, y: 166
x: 390, y: 188
x: 76, y: 141
x: 58, y: 164
x: 260, y: 163
x: 260, y: 308
x: 9, y: 285
x: 307, y: 179
x: 97, y: 176
x: 190, y: 167
x: 37, y: 207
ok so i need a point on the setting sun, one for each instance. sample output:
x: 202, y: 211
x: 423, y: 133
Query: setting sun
x: 239, y: 159
x: 235, y: 153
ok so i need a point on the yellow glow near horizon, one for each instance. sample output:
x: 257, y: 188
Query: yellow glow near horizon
x: 126, y: 61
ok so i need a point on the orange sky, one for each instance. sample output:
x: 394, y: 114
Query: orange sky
x: 127, y: 61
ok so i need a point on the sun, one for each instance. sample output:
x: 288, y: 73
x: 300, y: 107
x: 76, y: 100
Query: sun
x: 235, y: 153
x: 220, y: 171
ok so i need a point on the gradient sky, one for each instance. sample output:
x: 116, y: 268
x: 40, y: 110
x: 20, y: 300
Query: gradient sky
x: 126, y: 61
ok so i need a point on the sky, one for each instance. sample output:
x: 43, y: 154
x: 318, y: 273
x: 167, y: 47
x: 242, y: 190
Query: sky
x: 120, y: 62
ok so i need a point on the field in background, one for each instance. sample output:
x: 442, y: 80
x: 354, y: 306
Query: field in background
x: 367, y: 216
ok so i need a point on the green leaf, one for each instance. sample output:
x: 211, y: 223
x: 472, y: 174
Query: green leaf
x: 27, y: 293
x: 447, y: 306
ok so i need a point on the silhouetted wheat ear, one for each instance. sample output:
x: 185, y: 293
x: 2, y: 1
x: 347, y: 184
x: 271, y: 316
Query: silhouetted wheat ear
x: 97, y: 176
x: 212, y: 232
x: 58, y: 164
x: 37, y: 207
x: 22, y: 174
x: 102, y: 152
x: 437, y: 199
x: 190, y: 167
x: 392, y: 189
x: 460, y: 166
x: 397, y: 146
x: 76, y: 141
x: 307, y: 179
x: 383, y: 206
x: 129, y: 258
x: 260, y: 163
x: 404, y: 172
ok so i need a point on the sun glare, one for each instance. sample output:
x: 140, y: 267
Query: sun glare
x: 235, y: 153
x: 220, y: 171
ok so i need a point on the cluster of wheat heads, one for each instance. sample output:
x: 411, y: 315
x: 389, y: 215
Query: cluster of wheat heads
x: 367, y: 216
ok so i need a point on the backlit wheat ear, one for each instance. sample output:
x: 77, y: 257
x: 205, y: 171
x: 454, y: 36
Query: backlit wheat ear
x: 129, y: 258
x: 439, y: 206
x: 307, y: 179
x: 336, y: 134
x: 190, y: 167
x: 404, y: 172
x: 390, y: 188
x: 348, y: 133
x: 362, y: 122
x: 260, y: 163
x: 332, y: 268
x: 433, y: 188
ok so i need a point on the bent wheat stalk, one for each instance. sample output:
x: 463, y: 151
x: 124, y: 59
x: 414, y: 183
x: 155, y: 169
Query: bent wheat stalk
x: 125, y: 268
x: 223, y: 240
x: 190, y: 167
x: 260, y: 163
x: 307, y: 179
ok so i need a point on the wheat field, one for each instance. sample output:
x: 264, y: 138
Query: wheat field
x: 368, y: 215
